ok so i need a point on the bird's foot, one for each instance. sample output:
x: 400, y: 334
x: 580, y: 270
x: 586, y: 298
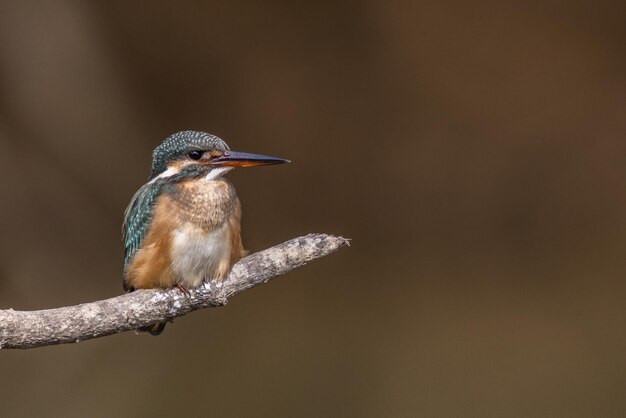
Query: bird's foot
x: 183, y: 289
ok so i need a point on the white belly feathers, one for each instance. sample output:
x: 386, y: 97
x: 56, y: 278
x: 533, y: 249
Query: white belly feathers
x: 198, y: 255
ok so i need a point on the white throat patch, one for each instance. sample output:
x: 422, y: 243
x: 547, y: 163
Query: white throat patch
x: 218, y: 172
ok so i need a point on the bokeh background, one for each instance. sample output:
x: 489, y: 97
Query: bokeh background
x: 474, y: 152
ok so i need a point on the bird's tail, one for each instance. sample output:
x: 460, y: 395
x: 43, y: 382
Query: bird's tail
x: 153, y: 329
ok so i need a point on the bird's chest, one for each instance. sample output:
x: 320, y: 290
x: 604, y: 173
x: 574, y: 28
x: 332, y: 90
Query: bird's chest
x: 204, y: 203
x: 202, y: 239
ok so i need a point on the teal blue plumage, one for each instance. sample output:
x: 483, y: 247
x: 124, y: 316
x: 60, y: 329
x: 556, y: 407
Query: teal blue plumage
x: 138, y: 217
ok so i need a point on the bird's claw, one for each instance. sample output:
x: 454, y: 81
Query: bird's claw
x: 183, y: 289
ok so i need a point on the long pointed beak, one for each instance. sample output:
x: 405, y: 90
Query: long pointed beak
x: 244, y: 159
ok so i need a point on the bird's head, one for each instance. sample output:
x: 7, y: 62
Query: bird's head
x: 190, y: 154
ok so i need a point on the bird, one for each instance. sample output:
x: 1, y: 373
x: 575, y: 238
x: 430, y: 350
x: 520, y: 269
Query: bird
x: 183, y: 227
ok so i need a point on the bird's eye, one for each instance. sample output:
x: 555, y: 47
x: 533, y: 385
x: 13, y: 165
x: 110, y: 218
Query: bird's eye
x: 195, y: 155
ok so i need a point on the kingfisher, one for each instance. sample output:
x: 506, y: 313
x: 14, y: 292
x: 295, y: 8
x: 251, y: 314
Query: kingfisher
x: 183, y: 227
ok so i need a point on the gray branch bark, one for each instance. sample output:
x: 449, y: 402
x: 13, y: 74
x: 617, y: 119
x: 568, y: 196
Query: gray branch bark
x: 71, y: 324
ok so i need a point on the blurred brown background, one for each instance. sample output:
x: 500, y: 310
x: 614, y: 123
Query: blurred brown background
x: 474, y: 151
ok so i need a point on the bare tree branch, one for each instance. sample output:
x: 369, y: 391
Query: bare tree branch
x: 29, y: 329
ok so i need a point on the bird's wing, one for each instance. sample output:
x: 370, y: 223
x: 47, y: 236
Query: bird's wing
x: 137, y: 218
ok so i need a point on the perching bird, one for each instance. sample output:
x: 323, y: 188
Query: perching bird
x: 182, y: 228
